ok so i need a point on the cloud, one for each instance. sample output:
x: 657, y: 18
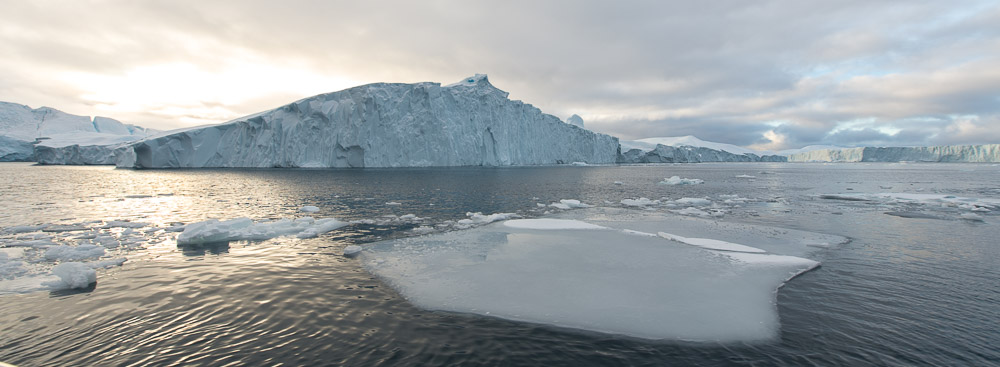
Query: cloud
x: 778, y: 73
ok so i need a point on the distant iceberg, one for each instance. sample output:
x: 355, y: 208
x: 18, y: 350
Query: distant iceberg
x: 469, y: 123
x: 50, y: 136
x: 950, y: 153
x: 688, y: 149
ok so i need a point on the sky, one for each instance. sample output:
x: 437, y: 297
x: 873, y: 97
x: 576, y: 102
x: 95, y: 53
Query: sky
x: 760, y: 74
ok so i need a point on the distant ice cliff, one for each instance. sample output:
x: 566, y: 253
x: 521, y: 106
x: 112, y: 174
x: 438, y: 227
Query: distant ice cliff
x: 48, y: 135
x: 950, y: 153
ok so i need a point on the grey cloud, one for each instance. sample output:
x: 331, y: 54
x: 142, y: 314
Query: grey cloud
x: 729, y: 70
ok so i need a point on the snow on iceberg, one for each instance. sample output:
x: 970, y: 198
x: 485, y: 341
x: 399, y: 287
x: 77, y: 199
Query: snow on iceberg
x: 469, y: 123
x: 710, y: 243
x: 599, y: 269
x: 246, y: 229
x: 550, y: 224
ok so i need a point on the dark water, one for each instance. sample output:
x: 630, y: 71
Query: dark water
x: 905, y: 291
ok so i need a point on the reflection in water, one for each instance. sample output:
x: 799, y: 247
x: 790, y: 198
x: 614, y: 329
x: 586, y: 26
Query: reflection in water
x: 70, y: 292
x: 199, y: 250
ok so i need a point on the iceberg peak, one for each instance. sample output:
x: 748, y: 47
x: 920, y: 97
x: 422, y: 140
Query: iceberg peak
x: 575, y: 120
x: 479, y: 83
x: 470, y: 81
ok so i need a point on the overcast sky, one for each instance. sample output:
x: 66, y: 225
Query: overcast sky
x: 762, y: 74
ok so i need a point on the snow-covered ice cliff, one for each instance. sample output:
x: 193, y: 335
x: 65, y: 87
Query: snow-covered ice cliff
x: 51, y: 136
x: 950, y: 153
x: 469, y: 123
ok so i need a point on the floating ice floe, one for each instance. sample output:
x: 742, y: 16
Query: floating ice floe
x: 246, y: 229
x: 692, y: 211
x: 352, y: 250
x: 745, y: 176
x: 972, y: 217
x: 567, y: 204
x: 309, y: 209
x: 478, y: 218
x: 937, y: 199
x: 74, y: 253
x: 602, y: 269
x: 550, y: 224
x: 640, y: 202
x: 693, y: 201
x: 677, y: 180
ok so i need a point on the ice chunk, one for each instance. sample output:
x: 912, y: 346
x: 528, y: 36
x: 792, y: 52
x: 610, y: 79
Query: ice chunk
x: 105, y: 264
x: 123, y: 224
x: 692, y: 211
x: 422, y: 230
x: 64, y: 228
x: 677, y: 180
x: 25, y: 229
x: 246, y: 229
x: 745, y: 176
x: 73, y: 275
x: 352, y: 250
x: 478, y: 219
x: 710, y: 243
x: 10, y: 266
x: 74, y: 253
x: 550, y: 224
x: 640, y: 202
x: 309, y: 209
x: 693, y: 201
x: 608, y: 281
x: 566, y: 204
x: 971, y: 217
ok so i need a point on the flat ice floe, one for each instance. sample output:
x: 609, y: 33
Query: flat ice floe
x: 246, y: 229
x: 677, y: 180
x: 602, y: 269
x: 904, y: 204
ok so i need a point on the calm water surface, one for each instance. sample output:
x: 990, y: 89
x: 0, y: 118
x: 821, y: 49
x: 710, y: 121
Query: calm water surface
x: 905, y: 291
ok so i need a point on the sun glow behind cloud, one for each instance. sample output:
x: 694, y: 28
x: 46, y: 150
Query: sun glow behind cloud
x: 194, y: 94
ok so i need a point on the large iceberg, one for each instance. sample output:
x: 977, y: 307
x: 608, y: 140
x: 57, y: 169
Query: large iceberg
x: 950, y: 153
x: 50, y: 136
x: 469, y: 123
